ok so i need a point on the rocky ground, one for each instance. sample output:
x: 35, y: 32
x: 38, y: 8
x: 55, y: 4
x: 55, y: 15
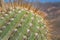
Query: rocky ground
x: 53, y: 11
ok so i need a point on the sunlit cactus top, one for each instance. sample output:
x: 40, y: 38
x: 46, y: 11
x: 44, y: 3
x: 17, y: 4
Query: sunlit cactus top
x: 22, y: 22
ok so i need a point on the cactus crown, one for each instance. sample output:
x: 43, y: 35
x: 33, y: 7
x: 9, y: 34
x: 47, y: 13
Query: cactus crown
x: 22, y: 23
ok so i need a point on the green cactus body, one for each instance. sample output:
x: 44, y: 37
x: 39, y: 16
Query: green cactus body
x: 21, y: 24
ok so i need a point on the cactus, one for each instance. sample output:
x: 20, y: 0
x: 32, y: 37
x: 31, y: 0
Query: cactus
x: 20, y: 23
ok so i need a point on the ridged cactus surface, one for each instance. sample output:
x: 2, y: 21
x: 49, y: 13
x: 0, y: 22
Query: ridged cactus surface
x: 21, y: 24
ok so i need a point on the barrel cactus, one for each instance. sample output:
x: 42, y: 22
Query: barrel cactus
x: 21, y: 23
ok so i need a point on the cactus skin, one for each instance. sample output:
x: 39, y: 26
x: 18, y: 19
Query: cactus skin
x: 21, y: 24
